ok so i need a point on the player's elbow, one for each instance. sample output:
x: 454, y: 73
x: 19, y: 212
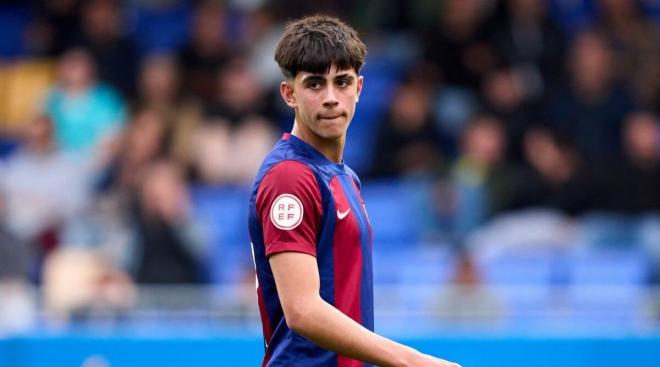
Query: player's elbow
x: 297, y: 315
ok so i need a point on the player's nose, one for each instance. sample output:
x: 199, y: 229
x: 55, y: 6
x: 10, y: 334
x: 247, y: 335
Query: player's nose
x: 330, y: 98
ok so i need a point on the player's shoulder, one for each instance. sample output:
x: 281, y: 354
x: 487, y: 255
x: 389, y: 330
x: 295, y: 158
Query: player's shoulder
x: 289, y: 181
x: 289, y: 173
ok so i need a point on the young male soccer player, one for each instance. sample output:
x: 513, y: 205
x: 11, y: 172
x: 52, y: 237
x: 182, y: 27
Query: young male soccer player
x: 310, y: 232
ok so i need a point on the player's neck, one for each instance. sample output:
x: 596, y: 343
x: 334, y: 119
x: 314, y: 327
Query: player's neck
x: 333, y: 149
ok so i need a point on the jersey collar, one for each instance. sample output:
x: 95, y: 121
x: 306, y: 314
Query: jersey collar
x: 309, y: 151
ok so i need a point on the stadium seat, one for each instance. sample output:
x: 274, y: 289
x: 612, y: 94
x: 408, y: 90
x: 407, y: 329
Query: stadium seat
x: 410, y: 263
x: 162, y: 29
x: 607, y: 288
x: 223, y: 211
x: 609, y: 266
x: 14, y: 20
x: 520, y: 266
x: 607, y: 230
x: 391, y: 212
x: 7, y: 147
x: 522, y: 280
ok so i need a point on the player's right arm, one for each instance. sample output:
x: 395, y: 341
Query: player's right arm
x: 297, y: 280
x: 290, y: 207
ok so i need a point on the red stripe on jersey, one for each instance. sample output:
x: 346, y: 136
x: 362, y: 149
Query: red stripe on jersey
x: 347, y: 253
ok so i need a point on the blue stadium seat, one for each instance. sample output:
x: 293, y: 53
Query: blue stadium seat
x: 411, y: 264
x: 609, y: 266
x: 224, y: 209
x: 608, y: 230
x: 162, y: 29
x: 521, y: 279
x: 7, y: 147
x: 431, y: 264
x: 386, y: 264
x: 528, y: 307
x: 391, y: 212
x: 519, y: 266
x: 613, y: 308
x: 223, y: 212
x: 607, y: 288
x: 14, y: 20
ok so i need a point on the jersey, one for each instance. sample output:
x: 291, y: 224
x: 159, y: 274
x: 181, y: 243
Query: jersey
x: 303, y: 202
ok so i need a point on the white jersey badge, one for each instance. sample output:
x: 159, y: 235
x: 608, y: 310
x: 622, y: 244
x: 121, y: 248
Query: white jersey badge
x: 286, y: 213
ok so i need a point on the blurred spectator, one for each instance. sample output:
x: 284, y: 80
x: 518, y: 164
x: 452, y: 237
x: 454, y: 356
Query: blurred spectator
x: 14, y: 255
x: 292, y: 9
x: 160, y: 92
x: 17, y: 303
x: 159, y: 83
x: 592, y: 105
x: 260, y: 39
x: 87, y: 114
x: 79, y: 283
x: 459, y: 45
x: 408, y: 142
x: 115, y: 54
x: 631, y: 183
x: 234, y: 122
x: 551, y: 177
x: 42, y: 187
x: 480, y: 174
x: 143, y: 142
x: 504, y: 97
x: 55, y: 25
x: 216, y: 150
x: 531, y: 45
x: 206, y: 51
x: 635, y: 41
x: 239, y: 93
x: 557, y: 178
x: 641, y: 138
x: 167, y: 250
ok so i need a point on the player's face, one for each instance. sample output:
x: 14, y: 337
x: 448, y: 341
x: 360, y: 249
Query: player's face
x: 325, y: 103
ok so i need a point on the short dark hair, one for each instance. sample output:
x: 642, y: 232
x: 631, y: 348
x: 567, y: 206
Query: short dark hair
x: 315, y: 43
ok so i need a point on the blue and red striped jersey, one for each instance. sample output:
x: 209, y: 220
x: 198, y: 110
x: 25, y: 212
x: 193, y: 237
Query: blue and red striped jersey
x: 303, y: 202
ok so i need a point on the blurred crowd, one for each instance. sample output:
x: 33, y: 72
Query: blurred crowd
x: 111, y: 111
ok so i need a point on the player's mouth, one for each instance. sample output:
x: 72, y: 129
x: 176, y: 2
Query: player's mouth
x: 331, y: 117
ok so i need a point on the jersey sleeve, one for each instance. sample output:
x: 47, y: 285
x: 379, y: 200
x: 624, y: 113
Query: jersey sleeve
x: 289, y: 207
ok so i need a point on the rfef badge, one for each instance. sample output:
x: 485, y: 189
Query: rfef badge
x: 286, y: 212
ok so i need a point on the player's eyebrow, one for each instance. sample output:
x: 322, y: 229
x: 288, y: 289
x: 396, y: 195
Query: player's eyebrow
x: 345, y: 76
x: 314, y: 78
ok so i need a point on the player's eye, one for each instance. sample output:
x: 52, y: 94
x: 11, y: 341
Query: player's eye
x: 343, y: 83
x: 314, y: 85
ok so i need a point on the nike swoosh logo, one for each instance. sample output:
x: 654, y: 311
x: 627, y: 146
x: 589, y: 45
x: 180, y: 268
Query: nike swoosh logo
x: 343, y: 215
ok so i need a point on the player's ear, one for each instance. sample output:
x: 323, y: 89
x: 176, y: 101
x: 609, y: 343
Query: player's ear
x: 286, y: 90
x: 360, y: 82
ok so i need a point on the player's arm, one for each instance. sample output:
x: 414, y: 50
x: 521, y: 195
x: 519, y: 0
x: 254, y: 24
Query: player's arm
x: 297, y: 279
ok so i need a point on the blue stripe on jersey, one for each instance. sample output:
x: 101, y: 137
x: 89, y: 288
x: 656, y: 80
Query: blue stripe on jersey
x: 366, y: 291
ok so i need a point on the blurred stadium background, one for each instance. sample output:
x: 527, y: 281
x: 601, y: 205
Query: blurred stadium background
x: 509, y: 151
